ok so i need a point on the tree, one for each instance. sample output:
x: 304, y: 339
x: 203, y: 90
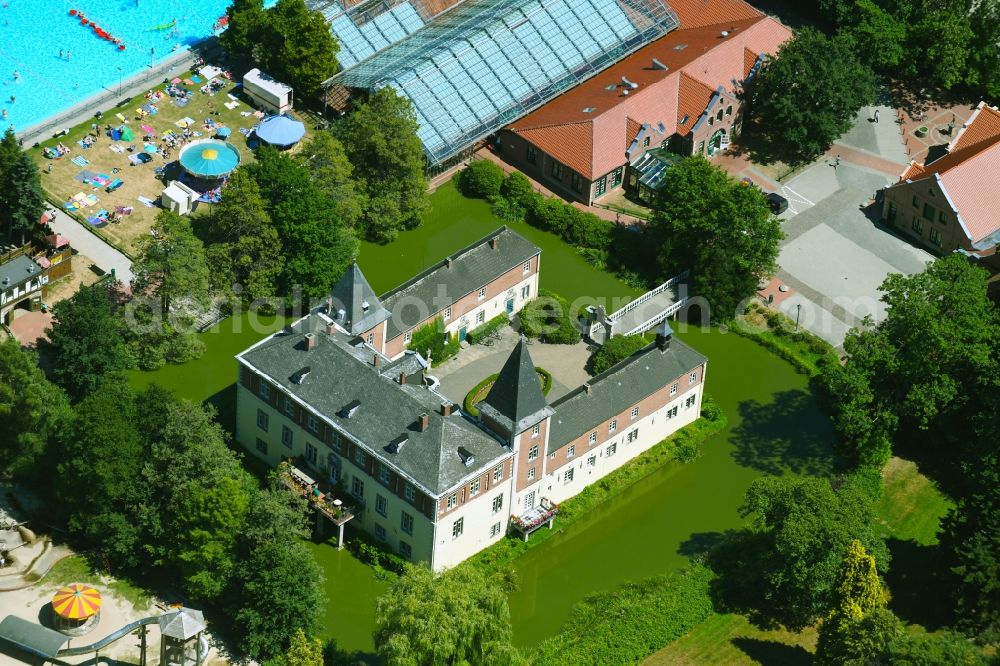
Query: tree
x: 617, y: 349
x: 880, y: 36
x: 303, y: 651
x: 944, y: 649
x: 279, y: 592
x: 21, y: 198
x: 298, y: 47
x: 481, y: 179
x: 248, y: 251
x: 808, y: 94
x: 983, y: 64
x: 459, y: 617
x: 171, y: 262
x: 718, y: 228
x: 857, y: 591
x: 922, y: 375
x: 380, y: 138
x: 943, y: 35
x: 784, y: 568
x: 246, y: 22
x: 864, y: 641
x: 327, y: 161
x: 85, y: 344
x: 33, y: 412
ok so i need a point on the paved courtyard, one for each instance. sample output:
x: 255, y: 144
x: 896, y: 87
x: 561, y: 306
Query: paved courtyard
x: 836, y: 254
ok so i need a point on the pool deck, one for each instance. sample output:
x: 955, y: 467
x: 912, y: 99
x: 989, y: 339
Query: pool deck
x: 109, y: 99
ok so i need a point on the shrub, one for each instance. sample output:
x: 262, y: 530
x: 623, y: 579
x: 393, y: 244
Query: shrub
x: 481, y: 179
x: 548, y: 214
x: 615, y: 350
x: 517, y: 188
x: 587, y: 230
x: 432, y: 340
x: 183, y: 347
x: 482, y: 331
x: 549, y: 317
x: 507, y: 210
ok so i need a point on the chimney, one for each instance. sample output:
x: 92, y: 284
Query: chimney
x: 402, y: 378
x: 447, y: 408
x: 424, y: 422
x: 330, y: 329
x: 658, y: 65
x: 310, y: 341
x: 494, y: 242
x: 588, y: 389
x: 376, y: 360
x: 663, y: 335
x: 448, y: 262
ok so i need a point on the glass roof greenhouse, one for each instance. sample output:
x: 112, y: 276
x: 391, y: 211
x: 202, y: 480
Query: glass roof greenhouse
x: 484, y: 63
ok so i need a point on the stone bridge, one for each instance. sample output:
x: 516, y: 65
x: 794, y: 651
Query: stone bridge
x: 643, y: 313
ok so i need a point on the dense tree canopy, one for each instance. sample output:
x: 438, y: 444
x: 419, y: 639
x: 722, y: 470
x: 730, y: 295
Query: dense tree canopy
x: 171, y: 262
x: 333, y: 173
x: 857, y: 591
x: 720, y: 229
x: 85, y: 342
x: 459, y: 617
x: 380, y: 139
x: 33, y: 411
x: 807, y: 95
x: 21, y: 198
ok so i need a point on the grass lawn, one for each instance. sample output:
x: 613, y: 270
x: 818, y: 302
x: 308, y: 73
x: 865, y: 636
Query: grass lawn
x: 911, y: 507
x: 731, y: 639
x: 454, y: 222
x: 75, y: 569
x: 140, y: 180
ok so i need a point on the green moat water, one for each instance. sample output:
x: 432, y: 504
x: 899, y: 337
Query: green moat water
x: 642, y: 532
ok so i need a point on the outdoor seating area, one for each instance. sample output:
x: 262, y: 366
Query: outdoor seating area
x: 130, y: 157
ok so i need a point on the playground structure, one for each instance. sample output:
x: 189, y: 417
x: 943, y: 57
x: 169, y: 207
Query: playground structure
x: 183, y: 641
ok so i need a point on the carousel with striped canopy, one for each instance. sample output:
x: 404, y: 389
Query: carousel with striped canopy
x: 76, y: 608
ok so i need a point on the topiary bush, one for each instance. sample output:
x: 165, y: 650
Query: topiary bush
x: 615, y: 350
x: 549, y: 317
x: 481, y: 179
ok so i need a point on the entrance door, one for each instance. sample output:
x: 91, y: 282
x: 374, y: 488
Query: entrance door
x: 529, y: 500
x: 510, y: 306
x: 462, y: 333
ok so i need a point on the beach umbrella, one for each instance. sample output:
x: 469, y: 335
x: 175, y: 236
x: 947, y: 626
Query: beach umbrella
x: 127, y: 133
x: 280, y: 131
x: 76, y: 601
x: 223, y: 132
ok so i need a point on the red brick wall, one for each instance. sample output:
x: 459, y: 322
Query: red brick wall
x: 952, y: 235
x: 463, y: 494
x: 524, y: 443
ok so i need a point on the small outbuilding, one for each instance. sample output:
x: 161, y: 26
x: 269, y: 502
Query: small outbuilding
x: 178, y: 198
x: 267, y: 94
x: 281, y: 132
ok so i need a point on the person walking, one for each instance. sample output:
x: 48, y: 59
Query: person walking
x: 876, y: 115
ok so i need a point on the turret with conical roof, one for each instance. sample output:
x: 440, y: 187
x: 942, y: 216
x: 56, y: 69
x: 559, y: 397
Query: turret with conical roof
x: 354, y: 305
x: 515, y: 402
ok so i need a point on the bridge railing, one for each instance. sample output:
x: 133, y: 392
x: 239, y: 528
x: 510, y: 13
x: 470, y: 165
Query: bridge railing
x: 653, y: 321
x: 648, y: 295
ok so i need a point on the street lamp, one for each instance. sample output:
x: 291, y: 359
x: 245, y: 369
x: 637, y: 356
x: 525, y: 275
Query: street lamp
x: 798, y: 311
x: 152, y: 55
x: 120, y: 74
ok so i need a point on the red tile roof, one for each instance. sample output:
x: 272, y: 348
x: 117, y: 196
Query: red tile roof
x: 702, y: 52
x: 749, y: 60
x: 970, y: 173
x: 692, y: 98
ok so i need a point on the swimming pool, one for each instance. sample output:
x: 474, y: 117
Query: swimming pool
x: 33, y: 32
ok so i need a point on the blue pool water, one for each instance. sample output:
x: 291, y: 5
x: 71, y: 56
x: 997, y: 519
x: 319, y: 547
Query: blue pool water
x: 33, y: 31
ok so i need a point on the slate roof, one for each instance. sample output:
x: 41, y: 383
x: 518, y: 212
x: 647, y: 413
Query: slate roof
x: 17, y: 271
x: 618, y: 388
x: 515, y: 400
x: 589, y: 141
x: 341, y: 373
x: 969, y: 174
x: 362, y: 308
x: 471, y: 268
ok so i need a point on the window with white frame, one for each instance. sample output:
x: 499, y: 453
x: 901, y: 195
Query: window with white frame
x: 673, y: 389
x: 591, y: 461
x: 357, y: 487
x: 613, y: 426
x: 311, y: 452
x: 529, y: 500
x: 371, y: 340
x: 457, y: 528
x: 335, y: 440
x: 474, y: 487
x: 568, y: 475
x: 289, y: 407
x: 531, y: 472
x: 690, y: 401
x: 635, y: 412
x: 407, y: 336
x: 381, y: 506
x: 286, y: 436
x: 379, y: 532
x: 527, y: 266
x: 533, y: 452
x: 632, y: 436
x: 261, y: 446
x: 406, y: 522
x: 447, y: 313
x: 313, y: 423
x: 611, y: 450
x: 498, y: 472
x: 265, y: 390
x: 383, y: 473
x: 494, y: 530
x: 482, y: 293
x: 262, y: 419
x: 410, y: 493
x: 593, y: 438
x: 452, y: 500
x: 359, y: 456
x: 570, y: 451
x: 692, y: 378
x: 497, y: 503
x: 525, y: 291
x: 536, y: 429
x: 672, y: 412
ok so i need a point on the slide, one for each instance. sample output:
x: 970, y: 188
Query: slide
x: 165, y: 26
x: 110, y: 638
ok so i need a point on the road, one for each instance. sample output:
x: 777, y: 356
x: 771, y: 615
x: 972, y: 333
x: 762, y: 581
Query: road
x: 86, y: 242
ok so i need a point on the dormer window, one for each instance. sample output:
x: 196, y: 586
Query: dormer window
x: 685, y: 119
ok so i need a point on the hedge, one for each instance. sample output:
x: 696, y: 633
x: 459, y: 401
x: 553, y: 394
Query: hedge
x: 625, y: 625
x: 480, y: 390
x: 477, y: 334
x: 681, y: 446
x: 549, y: 317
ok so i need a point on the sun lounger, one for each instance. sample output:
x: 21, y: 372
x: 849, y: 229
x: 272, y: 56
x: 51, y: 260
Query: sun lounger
x: 232, y: 97
x: 115, y: 148
x: 145, y: 201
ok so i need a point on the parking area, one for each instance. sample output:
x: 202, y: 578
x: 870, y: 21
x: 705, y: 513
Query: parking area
x: 836, y: 253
